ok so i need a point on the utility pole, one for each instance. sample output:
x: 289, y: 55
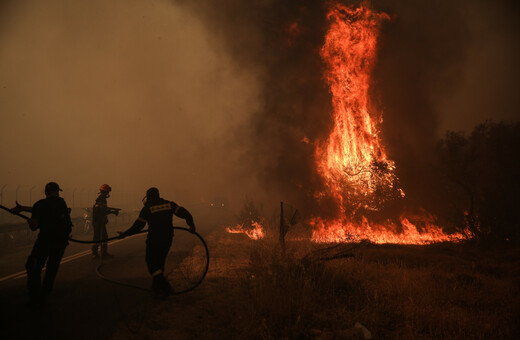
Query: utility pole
x: 282, y: 228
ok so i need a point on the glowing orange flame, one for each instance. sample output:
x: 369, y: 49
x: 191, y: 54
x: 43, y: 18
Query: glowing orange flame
x: 403, y: 232
x: 353, y: 150
x: 256, y: 233
x: 352, y: 161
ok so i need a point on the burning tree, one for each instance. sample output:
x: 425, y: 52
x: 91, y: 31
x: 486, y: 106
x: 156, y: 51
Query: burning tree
x: 353, y: 162
x: 335, y: 167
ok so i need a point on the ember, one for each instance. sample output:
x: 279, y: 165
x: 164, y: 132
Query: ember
x: 255, y: 233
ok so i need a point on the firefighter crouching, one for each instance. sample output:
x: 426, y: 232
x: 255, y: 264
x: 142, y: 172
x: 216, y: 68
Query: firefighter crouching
x: 52, y: 216
x: 158, y: 213
x: 100, y: 211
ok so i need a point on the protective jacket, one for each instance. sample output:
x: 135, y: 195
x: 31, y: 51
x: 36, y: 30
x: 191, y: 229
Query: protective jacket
x: 158, y: 214
x: 53, y: 218
x: 100, y: 210
x: 55, y: 225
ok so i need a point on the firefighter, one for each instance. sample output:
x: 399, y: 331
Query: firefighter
x: 158, y: 213
x: 52, y: 216
x: 100, y: 211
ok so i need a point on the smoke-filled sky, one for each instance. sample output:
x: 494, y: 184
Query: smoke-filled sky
x: 203, y: 99
x: 128, y: 93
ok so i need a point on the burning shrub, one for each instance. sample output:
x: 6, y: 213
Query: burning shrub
x: 250, y: 222
x: 249, y: 214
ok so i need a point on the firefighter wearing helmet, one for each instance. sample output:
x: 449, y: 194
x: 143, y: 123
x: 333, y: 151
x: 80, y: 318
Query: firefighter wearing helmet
x: 158, y: 213
x: 52, y: 217
x: 100, y: 211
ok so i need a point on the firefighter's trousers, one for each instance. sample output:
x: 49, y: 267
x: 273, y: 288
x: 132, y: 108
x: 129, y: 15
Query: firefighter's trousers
x: 157, y: 249
x: 50, y: 251
x: 100, y: 233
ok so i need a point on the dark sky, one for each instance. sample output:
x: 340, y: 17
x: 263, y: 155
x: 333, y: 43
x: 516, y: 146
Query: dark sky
x: 442, y: 65
x: 489, y: 85
x: 174, y: 93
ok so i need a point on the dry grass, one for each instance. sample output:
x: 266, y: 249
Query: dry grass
x: 436, y: 292
x: 254, y: 291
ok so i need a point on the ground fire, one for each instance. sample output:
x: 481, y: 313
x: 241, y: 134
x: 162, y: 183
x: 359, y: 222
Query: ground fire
x: 256, y: 231
x: 352, y: 161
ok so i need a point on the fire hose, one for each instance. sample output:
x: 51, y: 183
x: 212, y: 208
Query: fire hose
x: 98, y: 269
x: 121, y: 283
x: 14, y: 213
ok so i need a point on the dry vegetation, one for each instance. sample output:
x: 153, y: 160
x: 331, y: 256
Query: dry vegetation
x: 397, y: 292
x: 435, y: 292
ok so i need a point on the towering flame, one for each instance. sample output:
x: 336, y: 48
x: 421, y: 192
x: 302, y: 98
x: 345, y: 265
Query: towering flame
x: 352, y: 160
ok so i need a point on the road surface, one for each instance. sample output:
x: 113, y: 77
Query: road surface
x: 82, y: 305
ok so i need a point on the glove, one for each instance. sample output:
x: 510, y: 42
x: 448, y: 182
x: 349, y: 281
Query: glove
x: 17, y: 208
x: 33, y: 224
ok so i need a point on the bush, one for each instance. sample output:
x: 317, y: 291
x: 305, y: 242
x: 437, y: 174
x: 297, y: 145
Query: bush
x: 480, y: 174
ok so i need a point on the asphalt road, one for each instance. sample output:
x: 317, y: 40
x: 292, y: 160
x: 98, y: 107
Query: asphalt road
x: 82, y: 305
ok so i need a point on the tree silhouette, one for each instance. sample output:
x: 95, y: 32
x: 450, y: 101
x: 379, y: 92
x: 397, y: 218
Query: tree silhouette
x: 481, y: 173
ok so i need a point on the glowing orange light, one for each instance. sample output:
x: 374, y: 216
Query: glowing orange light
x: 256, y: 233
x: 352, y: 160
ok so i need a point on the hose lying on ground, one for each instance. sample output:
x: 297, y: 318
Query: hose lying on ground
x: 121, y: 283
x: 98, y: 269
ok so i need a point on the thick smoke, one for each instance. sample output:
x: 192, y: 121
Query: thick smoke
x: 280, y: 40
x: 128, y: 93
x: 422, y: 59
x: 423, y: 79
x: 421, y: 54
x: 202, y: 98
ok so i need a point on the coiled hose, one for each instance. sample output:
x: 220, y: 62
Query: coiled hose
x: 121, y: 283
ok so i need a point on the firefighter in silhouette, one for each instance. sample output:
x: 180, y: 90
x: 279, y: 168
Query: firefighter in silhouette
x: 158, y: 213
x: 100, y: 211
x: 52, y: 216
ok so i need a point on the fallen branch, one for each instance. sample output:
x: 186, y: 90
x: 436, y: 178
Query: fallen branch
x: 339, y: 251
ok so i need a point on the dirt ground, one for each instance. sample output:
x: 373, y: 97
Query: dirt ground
x: 209, y: 311
x: 252, y: 291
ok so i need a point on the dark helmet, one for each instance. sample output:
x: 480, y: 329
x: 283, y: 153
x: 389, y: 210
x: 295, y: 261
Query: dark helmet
x: 52, y: 187
x: 152, y: 194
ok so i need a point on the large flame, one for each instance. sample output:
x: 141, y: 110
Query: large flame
x: 352, y: 160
